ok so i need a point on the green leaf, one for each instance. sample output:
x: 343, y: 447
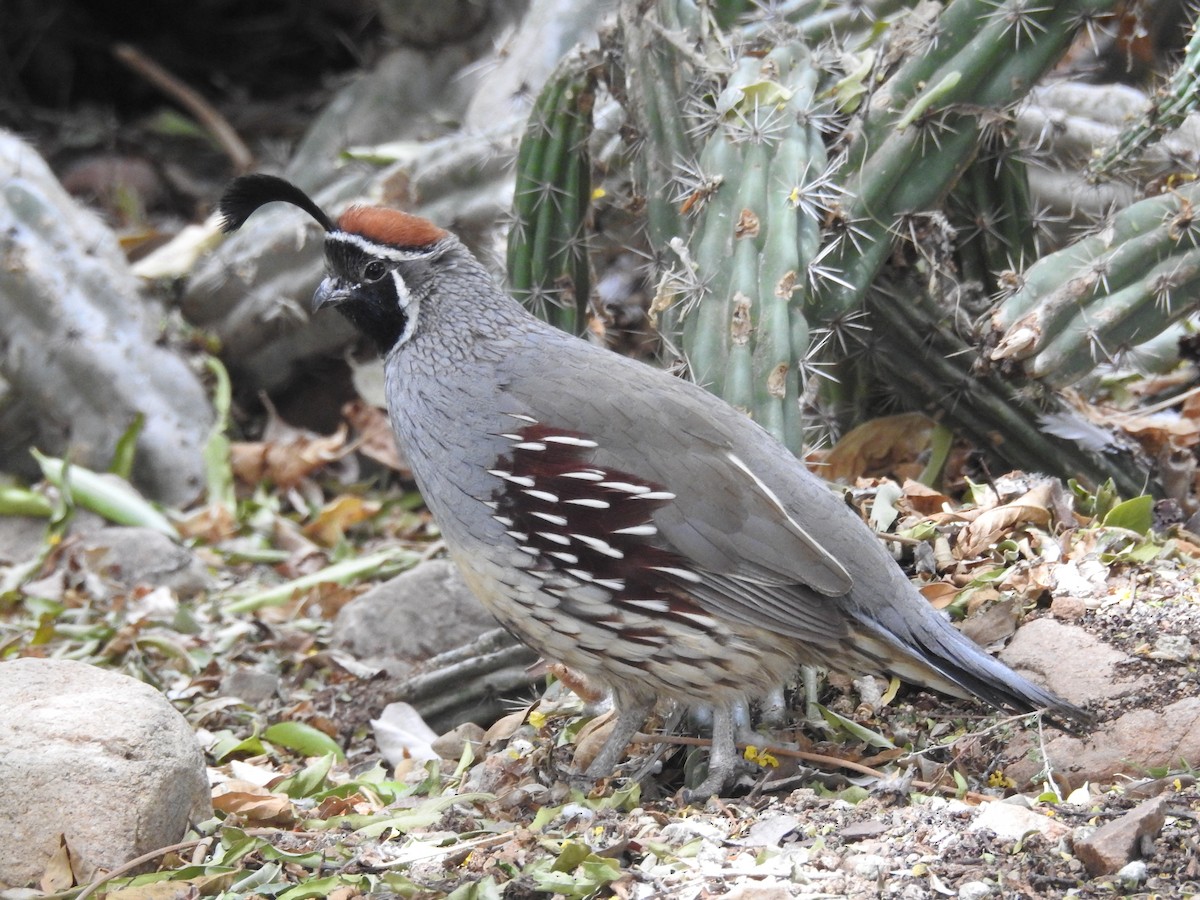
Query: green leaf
x: 227, y: 745
x: 1133, y: 515
x: 19, y: 501
x: 112, y: 498
x: 866, y: 735
x: 303, y: 738
x: 217, y: 466
x: 310, y: 780
x: 126, y: 449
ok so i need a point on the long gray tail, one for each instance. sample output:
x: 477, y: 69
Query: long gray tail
x: 937, y: 655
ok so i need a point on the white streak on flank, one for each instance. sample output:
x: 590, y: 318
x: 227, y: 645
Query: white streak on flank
x: 529, y: 445
x: 569, y: 558
x: 587, y: 475
x: 522, y: 418
x: 520, y: 480
x: 625, y: 487
x: 540, y: 495
x: 512, y: 436
x: 569, y: 441
x: 660, y: 606
x: 638, y: 530
x: 590, y: 503
x: 656, y: 495
x: 532, y: 551
x: 504, y: 520
x: 555, y: 538
x: 551, y: 518
x: 581, y: 575
x: 613, y: 584
x: 599, y: 546
x: 517, y: 535
x: 684, y: 574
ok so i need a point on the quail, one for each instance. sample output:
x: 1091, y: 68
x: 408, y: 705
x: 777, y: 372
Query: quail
x: 613, y: 516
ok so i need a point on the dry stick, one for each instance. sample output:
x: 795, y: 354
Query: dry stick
x: 215, y: 123
x: 816, y: 758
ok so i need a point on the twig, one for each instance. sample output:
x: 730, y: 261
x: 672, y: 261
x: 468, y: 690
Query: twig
x: 212, y: 121
x: 816, y: 758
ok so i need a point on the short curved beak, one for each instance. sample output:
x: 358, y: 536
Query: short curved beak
x: 331, y: 292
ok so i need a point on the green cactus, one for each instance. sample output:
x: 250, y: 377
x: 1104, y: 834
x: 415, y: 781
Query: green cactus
x: 922, y: 126
x: 772, y: 240
x: 757, y: 228
x: 1168, y: 108
x: 1097, y: 298
x: 548, y: 265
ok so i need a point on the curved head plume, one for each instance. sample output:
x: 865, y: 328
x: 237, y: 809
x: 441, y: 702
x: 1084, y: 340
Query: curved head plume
x: 247, y: 193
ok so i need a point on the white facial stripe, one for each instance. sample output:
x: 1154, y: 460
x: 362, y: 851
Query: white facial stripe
x: 373, y: 249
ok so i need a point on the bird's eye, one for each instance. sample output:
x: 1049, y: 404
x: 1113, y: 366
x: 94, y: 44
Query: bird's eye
x: 374, y: 270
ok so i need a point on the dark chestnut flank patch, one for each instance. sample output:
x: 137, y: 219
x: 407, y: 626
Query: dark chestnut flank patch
x: 592, y: 525
x: 390, y: 227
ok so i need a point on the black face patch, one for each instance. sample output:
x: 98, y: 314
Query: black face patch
x: 372, y: 301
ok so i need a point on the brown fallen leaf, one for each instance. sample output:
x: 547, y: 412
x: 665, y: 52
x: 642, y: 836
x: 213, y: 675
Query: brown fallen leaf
x: 940, y: 594
x: 884, y: 446
x: 375, y: 440
x: 59, y: 874
x: 287, y: 463
x: 337, y: 516
x: 252, y: 803
x: 997, y: 524
x: 921, y: 499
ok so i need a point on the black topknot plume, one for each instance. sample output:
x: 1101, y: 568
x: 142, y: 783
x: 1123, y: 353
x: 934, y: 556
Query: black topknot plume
x: 247, y: 193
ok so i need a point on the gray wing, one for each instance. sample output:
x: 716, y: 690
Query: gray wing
x: 772, y: 542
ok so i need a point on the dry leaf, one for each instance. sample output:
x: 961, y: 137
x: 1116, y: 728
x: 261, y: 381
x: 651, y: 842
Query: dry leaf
x: 59, y: 874
x: 253, y: 803
x: 211, y: 524
x: 157, y: 890
x: 886, y: 446
x: 287, y: 463
x: 921, y: 499
x: 995, y: 525
x: 375, y: 440
x: 591, y: 738
x: 940, y: 594
x: 338, y: 515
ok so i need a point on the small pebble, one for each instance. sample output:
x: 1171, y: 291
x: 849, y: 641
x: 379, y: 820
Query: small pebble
x: 1067, y: 608
x: 1132, y: 874
x: 973, y: 890
x: 1173, y: 647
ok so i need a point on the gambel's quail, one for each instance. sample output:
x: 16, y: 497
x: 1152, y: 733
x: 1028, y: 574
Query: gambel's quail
x: 615, y: 517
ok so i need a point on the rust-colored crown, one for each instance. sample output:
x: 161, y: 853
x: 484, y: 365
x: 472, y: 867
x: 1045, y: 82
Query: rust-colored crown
x: 390, y: 226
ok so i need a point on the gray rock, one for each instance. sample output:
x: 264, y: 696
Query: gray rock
x: 426, y: 611
x: 133, y: 557
x: 21, y: 538
x: 974, y: 890
x: 97, y: 757
x: 83, y: 355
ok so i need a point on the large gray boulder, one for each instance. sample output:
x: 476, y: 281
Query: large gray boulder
x: 93, y: 757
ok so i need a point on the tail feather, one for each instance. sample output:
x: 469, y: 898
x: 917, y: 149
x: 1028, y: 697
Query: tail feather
x: 938, y: 656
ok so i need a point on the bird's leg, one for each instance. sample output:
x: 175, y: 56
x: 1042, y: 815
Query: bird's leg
x: 631, y: 716
x: 722, y: 759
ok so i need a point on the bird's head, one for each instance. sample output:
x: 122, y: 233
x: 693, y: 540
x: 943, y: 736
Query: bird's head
x: 380, y: 262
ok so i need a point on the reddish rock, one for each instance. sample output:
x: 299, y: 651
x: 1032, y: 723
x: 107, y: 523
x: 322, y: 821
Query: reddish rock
x: 1111, y: 846
x: 1139, y: 740
x: 1068, y: 661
